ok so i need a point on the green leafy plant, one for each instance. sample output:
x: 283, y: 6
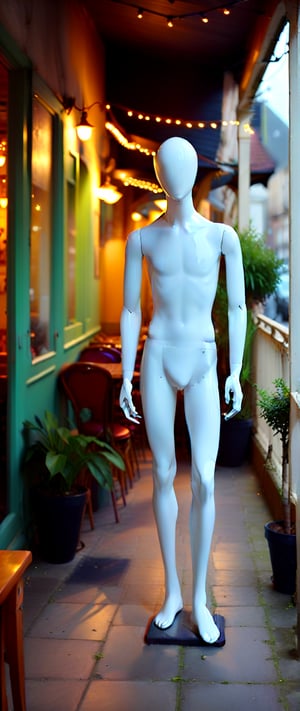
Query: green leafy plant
x: 275, y: 409
x: 61, y: 454
x: 262, y: 270
x: 261, y: 266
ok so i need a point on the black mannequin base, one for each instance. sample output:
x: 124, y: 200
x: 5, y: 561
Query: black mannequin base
x: 182, y: 632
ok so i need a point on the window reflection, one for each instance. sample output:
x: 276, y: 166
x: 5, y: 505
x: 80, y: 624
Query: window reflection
x: 71, y: 257
x: 40, y: 243
x: 3, y: 290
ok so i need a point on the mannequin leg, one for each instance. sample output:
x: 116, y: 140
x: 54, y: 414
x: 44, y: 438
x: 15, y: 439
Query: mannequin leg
x: 203, y: 419
x: 159, y: 404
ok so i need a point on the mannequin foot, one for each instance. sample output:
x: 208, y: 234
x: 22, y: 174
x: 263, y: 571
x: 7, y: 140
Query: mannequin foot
x: 172, y: 606
x: 204, y: 621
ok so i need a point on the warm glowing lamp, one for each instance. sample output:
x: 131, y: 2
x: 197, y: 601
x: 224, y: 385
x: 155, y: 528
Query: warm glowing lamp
x: 3, y: 194
x: 108, y: 193
x: 2, y: 153
x: 136, y: 216
x: 161, y: 204
x: 84, y: 128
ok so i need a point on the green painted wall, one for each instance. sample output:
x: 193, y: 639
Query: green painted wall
x: 32, y: 386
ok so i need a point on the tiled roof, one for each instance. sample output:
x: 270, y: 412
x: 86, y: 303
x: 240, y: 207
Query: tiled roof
x: 261, y: 161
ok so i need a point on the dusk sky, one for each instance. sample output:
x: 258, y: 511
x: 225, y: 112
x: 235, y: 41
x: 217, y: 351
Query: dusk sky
x: 274, y: 89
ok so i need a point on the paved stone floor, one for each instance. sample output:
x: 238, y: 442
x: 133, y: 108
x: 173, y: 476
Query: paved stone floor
x: 85, y: 621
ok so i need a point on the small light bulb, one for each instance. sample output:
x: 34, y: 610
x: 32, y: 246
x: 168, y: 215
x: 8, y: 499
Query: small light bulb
x: 84, y: 128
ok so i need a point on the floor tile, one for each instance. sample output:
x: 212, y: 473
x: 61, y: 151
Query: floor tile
x: 47, y: 695
x: 126, y: 656
x: 244, y: 616
x: 83, y: 593
x: 235, y: 595
x: 130, y: 696
x: 292, y: 696
x: 133, y: 615
x: 59, y: 658
x: 74, y: 621
x: 232, y: 561
x: 229, y: 697
x: 231, y: 663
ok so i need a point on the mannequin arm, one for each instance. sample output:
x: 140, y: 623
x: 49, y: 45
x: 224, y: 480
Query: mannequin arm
x: 130, y: 320
x: 237, y: 318
x: 130, y: 329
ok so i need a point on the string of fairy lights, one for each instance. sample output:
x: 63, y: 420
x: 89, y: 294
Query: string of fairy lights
x: 204, y: 15
x: 112, y: 125
x: 132, y: 145
x: 180, y: 122
x: 122, y: 139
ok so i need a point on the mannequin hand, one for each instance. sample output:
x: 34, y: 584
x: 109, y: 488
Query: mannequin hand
x: 233, y: 391
x: 126, y: 403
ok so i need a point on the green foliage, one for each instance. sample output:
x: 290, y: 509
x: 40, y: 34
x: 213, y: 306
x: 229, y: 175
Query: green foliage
x: 275, y: 409
x: 261, y: 265
x: 57, y: 456
x: 247, y: 357
x: 220, y: 314
x: 262, y: 270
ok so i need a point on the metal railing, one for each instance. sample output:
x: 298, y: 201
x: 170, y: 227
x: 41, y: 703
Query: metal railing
x: 270, y: 361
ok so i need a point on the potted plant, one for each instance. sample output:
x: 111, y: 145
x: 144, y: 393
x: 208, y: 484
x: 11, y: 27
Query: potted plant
x: 275, y: 409
x: 262, y: 273
x: 54, y: 458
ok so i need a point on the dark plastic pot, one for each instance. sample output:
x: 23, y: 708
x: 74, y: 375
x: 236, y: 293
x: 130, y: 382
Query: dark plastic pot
x: 283, y: 557
x: 58, y: 520
x: 235, y: 439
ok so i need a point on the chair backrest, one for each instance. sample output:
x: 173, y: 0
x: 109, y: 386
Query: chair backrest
x: 90, y: 391
x: 100, y: 354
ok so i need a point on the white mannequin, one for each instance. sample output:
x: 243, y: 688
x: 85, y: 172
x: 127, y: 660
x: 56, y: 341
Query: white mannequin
x: 182, y: 250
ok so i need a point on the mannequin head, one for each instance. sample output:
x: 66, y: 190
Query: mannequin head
x: 175, y: 166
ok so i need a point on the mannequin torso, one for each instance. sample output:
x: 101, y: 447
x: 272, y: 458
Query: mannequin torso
x: 183, y: 267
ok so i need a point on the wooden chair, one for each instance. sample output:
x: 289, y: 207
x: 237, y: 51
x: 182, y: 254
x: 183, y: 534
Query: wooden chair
x: 90, y: 390
x: 12, y: 566
x: 106, y: 353
x: 100, y: 354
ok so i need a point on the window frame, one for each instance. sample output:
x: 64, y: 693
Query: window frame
x: 40, y: 365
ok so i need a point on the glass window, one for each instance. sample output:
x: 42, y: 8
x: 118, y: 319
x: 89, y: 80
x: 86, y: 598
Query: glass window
x: 3, y: 290
x: 71, y: 240
x: 40, y: 237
